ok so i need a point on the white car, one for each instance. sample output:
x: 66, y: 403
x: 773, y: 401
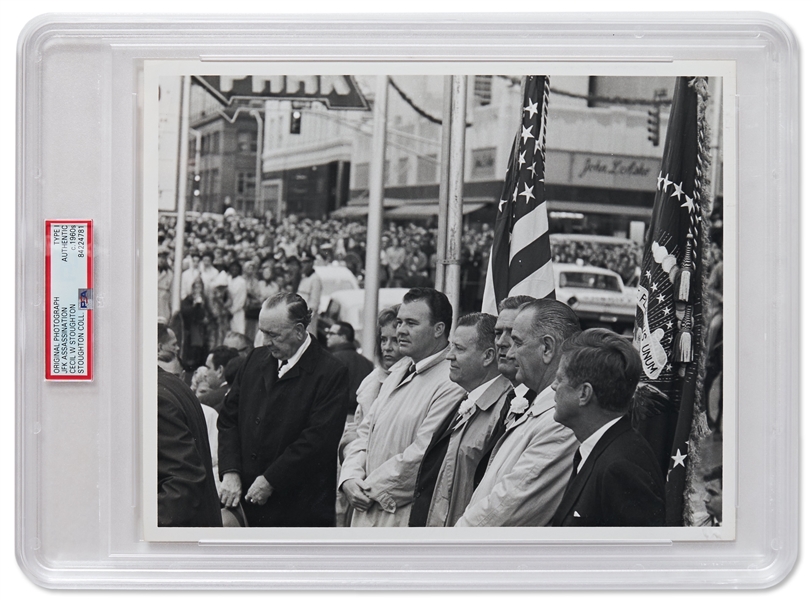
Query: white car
x: 334, y: 279
x: 348, y: 306
x: 597, y: 296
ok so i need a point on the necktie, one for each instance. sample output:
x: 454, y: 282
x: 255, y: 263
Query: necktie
x: 409, y: 372
x: 281, y: 366
x: 576, y: 460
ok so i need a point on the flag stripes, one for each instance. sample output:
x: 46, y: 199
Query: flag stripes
x: 520, y: 255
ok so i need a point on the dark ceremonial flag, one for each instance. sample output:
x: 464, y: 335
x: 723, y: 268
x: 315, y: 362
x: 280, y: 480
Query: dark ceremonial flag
x: 520, y: 261
x: 669, y: 325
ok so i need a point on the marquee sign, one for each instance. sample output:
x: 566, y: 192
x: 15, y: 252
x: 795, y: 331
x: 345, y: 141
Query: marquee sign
x: 339, y: 92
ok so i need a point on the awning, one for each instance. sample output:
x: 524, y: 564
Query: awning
x: 425, y: 211
x: 351, y: 212
x: 601, y: 209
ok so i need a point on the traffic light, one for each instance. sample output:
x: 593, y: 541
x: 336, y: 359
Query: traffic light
x: 196, y: 185
x: 654, y: 125
x: 296, y: 122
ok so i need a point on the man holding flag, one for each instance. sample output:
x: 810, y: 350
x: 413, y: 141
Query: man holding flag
x: 669, y: 328
x: 520, y: 261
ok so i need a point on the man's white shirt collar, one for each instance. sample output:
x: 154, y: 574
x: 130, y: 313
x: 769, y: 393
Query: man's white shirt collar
x: 521, y: 390
x: 420, y: 366
x: 589, y: 443
x: 295, y: 358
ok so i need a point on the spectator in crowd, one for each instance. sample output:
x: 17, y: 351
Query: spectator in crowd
x: 341, y: 342
x: 238, y: 294
x: 191, y: 273
x: 208, y: 272
x: 241, y: 343
x: 220, y: 308
x: 215, y: 376
x: 164, y: 287
x: 616, y: 480
x: 199, y: 326
x: 380, y: 467
x: 281, y: 423
x: 713, y: 497
x: 531, y: 462
x: 310, y: 288
x: 253, y: 297
x: 168, y: 351
x: 187, y: 493
x: 451, y: 466
x: 292, y: 275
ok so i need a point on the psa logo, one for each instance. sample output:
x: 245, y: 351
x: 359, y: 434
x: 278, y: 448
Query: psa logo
x: 86, y: 299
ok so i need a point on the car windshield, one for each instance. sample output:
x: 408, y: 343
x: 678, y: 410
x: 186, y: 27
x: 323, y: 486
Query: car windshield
x: 595, y: 281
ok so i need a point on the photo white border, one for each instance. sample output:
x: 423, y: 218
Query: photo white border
x: 154, y: 69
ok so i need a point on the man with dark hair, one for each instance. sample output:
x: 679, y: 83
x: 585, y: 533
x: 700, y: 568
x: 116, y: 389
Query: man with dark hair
x: 531, y: 462
x: 187, y: 493
x: 521, y: 396
x: 380, y: 468
x: 310, y: 287
x: 615, y: 480
x: 216, y: 363
x: 713, y: 497
x: 281, y: 423
x: 451, y: 466
x: 341, y: 342
x: 168, y: 350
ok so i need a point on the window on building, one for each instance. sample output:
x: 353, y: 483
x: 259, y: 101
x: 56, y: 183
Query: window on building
x: 246, y: 183
x: 361, y: 176
x: 427, y: 168
x: 246, y: 141
x: 484, y: 163
x: 214, y: 143
x: 403, y: 170
x: 482, y: 89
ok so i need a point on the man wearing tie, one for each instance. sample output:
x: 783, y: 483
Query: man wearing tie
x: 379, y: 472
x: 281, y: 423
x: 615, y: 480
x: 531, y: 462
x: 448, y: 473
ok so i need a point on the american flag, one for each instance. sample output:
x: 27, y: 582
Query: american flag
x: 520, y: 261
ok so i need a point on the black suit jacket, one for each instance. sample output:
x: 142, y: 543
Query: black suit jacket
x: 215, y: 398
x: 620, y: 484
x: 288, y: 430
x: 187, y: 494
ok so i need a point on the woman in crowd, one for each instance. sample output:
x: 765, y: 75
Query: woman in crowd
x: 198, y: 320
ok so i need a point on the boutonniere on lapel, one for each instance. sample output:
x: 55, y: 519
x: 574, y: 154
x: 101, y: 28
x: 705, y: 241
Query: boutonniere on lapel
x: 518, y: 406
x: 466, y: 409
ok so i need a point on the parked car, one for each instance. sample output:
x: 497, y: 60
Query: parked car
x: 597, y: 296
x: 348, y: 306
x: 334, y: 279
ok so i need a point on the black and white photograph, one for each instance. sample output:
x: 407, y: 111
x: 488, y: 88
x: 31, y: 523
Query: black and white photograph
x: 428, y: 301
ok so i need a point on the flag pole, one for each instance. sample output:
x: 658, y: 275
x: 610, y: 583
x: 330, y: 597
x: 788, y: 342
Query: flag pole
x: 183, y: 167
x: 456, y: 177
x: 445, y: 158
x: 375, y: 220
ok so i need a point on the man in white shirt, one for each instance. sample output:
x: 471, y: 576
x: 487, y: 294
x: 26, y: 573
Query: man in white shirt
x: 380, y: 467
x: 615, y: 480
x: 532, y: 460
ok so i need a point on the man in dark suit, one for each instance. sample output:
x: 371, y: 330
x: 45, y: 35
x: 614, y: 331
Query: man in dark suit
x: 615, y: 480
x: 187, y: 494
x: 281, y: 423
x: 216, y: 363
x: 341, y: 342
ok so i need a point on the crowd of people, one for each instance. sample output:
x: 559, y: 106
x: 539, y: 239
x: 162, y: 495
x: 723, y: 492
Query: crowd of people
x: 233, y: 263
x: 522, y: 419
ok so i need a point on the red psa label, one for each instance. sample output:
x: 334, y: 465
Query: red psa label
x: 69, y: 300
